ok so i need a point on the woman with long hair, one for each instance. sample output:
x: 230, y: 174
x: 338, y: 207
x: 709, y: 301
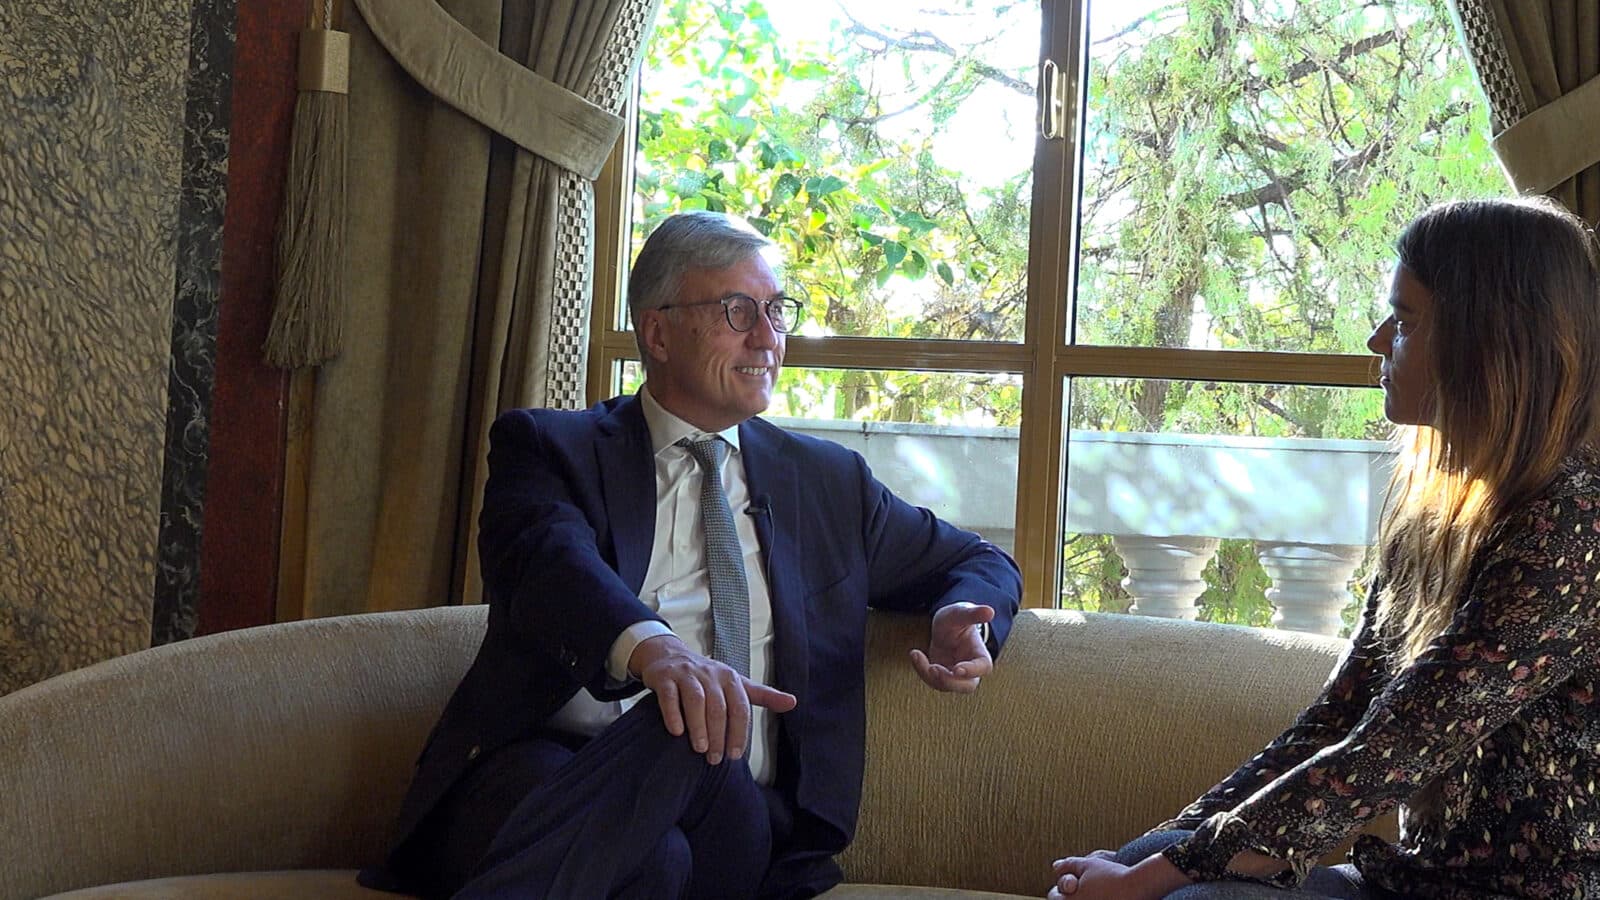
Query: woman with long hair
x: 1468, y: 695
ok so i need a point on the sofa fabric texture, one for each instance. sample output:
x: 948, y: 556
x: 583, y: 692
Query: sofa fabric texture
x: 269, y: 762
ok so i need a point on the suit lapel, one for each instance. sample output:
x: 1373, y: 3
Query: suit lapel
x: 772, y: 477
x: 628, y: 480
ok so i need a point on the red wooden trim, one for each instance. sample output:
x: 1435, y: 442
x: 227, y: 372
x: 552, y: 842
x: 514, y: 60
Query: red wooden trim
x: 244, y: 484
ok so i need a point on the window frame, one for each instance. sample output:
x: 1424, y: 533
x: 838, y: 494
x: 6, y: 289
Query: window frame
x: 1045, y: 358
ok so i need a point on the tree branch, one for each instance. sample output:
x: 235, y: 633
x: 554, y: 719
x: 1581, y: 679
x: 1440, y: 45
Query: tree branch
x: 1256, y: 84
x: 1136, y: 24
x: 1278, y: 189
x: 1283, y: 414
x: 927, y: 42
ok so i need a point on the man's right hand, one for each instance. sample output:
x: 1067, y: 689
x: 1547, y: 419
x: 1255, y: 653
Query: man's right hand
x: 705, y: 697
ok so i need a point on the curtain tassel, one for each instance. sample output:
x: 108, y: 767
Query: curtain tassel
x: 308, y: 312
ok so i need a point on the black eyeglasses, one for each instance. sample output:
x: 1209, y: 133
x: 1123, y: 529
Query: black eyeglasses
x: 783, y: 313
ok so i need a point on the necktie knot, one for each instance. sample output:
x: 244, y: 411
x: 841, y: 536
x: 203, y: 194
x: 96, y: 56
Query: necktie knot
x: 708, y: 452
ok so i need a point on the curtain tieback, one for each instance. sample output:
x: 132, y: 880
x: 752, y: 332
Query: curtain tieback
x: 452, y: 63
x: 1554, y: 142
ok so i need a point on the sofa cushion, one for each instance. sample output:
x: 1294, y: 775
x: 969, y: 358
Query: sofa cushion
x: 334, y: 884
x: 324, y: 884
x: 909, y: 892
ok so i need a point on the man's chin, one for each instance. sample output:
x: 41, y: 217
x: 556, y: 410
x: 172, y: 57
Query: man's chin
x: 757, y: 406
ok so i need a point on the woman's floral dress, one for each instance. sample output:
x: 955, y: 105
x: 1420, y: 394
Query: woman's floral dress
x: 1489, y: 741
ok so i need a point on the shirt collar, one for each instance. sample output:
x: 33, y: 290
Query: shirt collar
x: 667, y: 429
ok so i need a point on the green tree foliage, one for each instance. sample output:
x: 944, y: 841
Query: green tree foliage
x: 793, y: 137
x: 1246, y: 166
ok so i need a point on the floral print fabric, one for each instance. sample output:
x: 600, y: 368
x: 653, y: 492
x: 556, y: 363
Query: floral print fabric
x: 1489, y: 740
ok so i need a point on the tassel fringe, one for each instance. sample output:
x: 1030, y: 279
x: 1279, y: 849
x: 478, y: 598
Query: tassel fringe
x: 308, y: 313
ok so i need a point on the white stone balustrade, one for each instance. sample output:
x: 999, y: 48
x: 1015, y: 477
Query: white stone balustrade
x: 1310, y: 584
x: 1164, y: 573
x: 1166, y: 499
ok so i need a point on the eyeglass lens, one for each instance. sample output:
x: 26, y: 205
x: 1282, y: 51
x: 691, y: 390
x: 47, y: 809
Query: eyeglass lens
x: 782, y: 312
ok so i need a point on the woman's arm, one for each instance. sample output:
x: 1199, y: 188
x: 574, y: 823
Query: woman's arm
x: 1527, y: 622
x: 1094, y: 877
x: 1357, y: 678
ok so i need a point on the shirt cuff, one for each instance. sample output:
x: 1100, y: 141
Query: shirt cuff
x: 1205, y: 854
x: 629, y: 640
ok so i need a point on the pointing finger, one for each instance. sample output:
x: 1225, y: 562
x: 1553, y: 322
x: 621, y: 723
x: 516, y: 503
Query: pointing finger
x: 769, y: 697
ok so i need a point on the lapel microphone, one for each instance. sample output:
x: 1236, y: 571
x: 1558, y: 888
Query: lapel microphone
x: 761, y: 505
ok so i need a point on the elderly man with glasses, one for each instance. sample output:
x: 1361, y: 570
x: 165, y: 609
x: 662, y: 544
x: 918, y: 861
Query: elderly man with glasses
x: 669, y: 700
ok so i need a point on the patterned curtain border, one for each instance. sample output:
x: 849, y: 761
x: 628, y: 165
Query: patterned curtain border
x: 569, y: 317
x: 1491, y: 61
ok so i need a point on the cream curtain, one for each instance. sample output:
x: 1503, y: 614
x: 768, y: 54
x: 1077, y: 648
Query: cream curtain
x: 1539, y: 64
x: 476, y: 127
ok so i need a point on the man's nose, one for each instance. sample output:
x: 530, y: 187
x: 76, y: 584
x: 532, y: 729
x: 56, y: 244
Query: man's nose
x: 763, y: 333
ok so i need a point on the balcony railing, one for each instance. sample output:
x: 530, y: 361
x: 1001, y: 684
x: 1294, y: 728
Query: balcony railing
x: 1166, y: 500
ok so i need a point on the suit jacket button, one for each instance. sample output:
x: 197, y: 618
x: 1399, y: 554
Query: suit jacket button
x: 473, y: 753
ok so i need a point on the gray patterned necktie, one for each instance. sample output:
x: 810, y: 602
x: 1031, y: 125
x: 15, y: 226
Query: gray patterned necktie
x: 730, y: 592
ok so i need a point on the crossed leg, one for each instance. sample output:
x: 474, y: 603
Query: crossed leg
x: 635, y: 812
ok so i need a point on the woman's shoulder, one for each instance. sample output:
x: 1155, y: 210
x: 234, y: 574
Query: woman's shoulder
x: 1566, y: 511
x: 1576, y: 485
x: 1580, y: 472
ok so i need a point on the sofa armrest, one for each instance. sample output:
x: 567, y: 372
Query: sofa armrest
x: 281, y: 747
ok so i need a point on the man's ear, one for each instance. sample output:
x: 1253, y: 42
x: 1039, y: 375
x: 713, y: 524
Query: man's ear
x: 652, y: 335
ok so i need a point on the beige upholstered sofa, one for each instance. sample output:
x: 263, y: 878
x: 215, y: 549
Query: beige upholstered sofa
x: 268, y: 762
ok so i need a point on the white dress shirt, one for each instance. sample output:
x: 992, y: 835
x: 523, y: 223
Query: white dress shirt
x: 676, y: 585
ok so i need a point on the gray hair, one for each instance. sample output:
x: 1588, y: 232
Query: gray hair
x: 687, y: 240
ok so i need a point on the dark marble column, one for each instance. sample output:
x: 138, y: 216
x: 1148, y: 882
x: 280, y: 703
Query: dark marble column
x: 192, y: 376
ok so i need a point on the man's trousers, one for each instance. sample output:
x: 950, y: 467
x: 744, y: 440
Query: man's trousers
x: 634, y: 812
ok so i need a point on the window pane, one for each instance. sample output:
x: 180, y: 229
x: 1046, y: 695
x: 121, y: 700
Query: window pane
x: 1223, y: 495
x: 885, y: 146
x: 1247, y: 166
x: 947, y: 441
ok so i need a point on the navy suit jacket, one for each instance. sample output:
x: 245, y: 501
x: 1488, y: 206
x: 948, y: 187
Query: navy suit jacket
x: 565, y: 539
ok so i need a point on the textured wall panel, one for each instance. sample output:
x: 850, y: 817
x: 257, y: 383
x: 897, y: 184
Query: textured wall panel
x: 91, y: 123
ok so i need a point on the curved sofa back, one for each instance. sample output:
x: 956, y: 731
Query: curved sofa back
x: 289, y: 746
x: 280, y: 747
x: 1092, y: 729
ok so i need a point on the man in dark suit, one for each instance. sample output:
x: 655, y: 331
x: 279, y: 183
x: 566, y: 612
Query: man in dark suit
x: 672, y: 542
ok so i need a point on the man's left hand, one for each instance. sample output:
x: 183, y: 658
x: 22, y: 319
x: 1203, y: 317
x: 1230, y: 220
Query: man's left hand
x: 956, y: 656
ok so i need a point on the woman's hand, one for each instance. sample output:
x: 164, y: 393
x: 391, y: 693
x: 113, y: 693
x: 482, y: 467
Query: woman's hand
x: 1099, y: 875
x: 1088, y: 877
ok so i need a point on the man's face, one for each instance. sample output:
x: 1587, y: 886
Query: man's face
x: 1403, y: 341
x: 702, y: 370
